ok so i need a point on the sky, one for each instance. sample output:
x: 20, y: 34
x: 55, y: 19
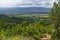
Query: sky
x: 27, y: 3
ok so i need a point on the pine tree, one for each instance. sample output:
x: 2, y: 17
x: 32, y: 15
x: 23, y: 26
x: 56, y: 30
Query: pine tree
x: 55, y: 17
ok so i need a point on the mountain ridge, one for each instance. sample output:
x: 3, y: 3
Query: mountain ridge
x: 24, y: 10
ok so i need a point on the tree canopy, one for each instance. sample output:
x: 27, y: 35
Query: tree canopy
x: 55, y: 17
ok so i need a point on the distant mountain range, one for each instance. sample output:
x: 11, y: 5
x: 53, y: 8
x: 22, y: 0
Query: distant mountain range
x: 24, y: 10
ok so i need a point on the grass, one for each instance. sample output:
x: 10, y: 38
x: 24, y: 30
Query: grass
x: 45, y: 16
x: 18, y: 38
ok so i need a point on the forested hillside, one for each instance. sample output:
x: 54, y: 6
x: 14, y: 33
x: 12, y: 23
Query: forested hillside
x: 26, y: 26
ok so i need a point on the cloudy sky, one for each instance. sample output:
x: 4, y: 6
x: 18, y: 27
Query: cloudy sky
x: 27, y: 3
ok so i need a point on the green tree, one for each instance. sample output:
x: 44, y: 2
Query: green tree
x: 55, y: 17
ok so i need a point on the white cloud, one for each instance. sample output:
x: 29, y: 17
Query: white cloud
x: 26, y: 3
x: 7, y: 3
x: 39, y: 3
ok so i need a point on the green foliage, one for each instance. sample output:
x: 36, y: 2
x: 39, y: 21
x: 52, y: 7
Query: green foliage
x: 25, y: 26
x: 55, y: 18
x: 35, y: 29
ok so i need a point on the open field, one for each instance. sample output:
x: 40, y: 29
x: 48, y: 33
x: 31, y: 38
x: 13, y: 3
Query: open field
x: 30, y: 15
